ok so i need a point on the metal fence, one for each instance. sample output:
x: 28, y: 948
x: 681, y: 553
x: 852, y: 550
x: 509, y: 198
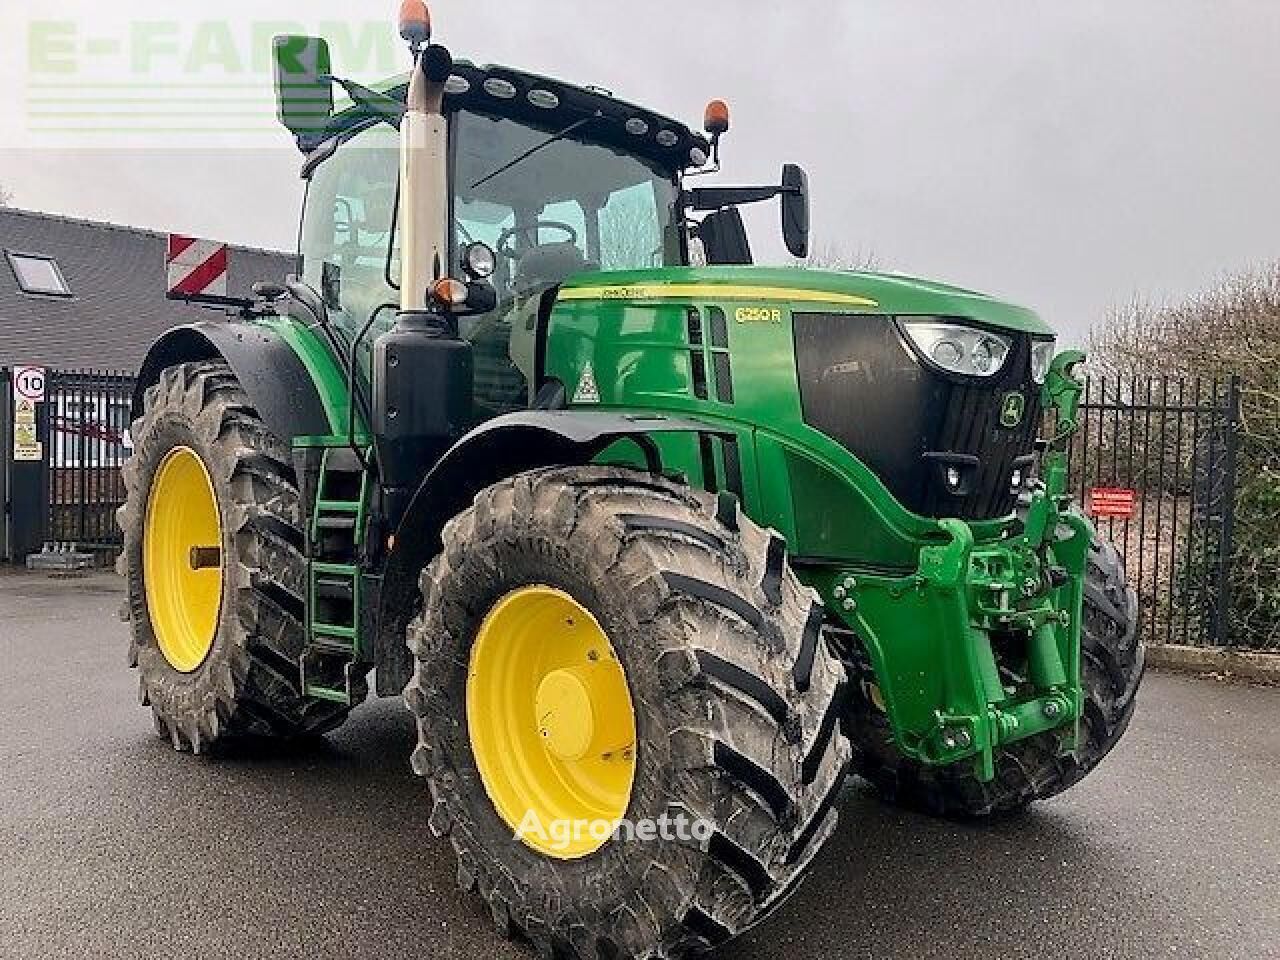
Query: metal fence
x: 1171, y: 441
x: 1170, y: 444
x: 88, y: 423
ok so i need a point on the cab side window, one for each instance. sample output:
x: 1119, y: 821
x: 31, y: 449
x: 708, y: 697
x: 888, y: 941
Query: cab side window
x: 346, y: 230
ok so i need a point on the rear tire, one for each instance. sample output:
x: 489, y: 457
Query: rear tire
x: 1113, y: 661
x: 736, y: 705
x: 249, y: 683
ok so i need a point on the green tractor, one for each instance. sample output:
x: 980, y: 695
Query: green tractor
x: 657, y: 553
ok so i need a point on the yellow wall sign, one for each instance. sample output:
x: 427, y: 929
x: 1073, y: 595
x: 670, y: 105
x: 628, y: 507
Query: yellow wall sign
x: 26, y: 447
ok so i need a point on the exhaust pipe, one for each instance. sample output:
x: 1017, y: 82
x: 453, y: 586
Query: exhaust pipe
x: 422, y: 370
x: 424, y: 179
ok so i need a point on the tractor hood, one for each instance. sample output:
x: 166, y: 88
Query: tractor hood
x: 854, y: 292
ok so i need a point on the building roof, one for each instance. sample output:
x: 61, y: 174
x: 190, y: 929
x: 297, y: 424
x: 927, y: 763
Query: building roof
x: 117, y: 306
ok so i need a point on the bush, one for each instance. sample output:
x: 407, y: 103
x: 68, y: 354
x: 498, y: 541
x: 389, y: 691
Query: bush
x: 1234, y: 329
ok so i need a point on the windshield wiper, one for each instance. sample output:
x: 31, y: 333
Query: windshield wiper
x: 554, y: 138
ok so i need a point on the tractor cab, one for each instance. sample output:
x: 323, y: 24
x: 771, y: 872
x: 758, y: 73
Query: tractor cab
x: 547, y: 181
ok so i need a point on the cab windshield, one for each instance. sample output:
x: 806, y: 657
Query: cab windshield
x: 568, y: 208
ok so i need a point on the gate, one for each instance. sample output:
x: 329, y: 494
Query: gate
x: 86, y: 435
x: 1155, y: 464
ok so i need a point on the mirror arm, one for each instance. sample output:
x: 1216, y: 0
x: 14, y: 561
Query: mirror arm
x: 377, y: 104
x: 709, y: 199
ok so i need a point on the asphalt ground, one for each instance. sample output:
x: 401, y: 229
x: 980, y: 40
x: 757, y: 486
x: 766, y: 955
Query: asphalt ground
x: 112, y: 845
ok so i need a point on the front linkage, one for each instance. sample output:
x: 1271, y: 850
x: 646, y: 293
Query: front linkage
x: 932, y: 637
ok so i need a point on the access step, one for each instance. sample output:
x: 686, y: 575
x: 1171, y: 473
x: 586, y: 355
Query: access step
x: 327, y: 672
x: 333, y: 654
x: 335, y: 599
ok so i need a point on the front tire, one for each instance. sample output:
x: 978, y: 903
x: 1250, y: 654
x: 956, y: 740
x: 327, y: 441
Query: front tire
x: 735, y: 702
x: 236, y: 672
x: 1113, y: 660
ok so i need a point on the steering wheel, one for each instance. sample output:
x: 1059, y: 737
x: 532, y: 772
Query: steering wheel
x: 504, y: 239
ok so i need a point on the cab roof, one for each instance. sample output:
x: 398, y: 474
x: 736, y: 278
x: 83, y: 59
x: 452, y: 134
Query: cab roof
x: 553, y: 105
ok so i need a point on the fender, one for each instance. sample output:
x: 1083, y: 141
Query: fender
x: 497, y: 449
x: 268, y: 369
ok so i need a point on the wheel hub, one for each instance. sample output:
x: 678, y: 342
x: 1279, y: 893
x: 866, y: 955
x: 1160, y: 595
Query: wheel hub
x: 577, y: 713
x: 182, y: 559
x: 550, y: 720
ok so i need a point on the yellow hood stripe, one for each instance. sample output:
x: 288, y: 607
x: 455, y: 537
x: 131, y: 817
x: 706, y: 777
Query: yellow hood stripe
x: 712, y: 291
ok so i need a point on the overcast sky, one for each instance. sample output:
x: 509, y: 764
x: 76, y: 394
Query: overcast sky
x: 1067, y: 155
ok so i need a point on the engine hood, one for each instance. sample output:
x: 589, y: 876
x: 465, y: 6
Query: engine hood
x: 847, y: 291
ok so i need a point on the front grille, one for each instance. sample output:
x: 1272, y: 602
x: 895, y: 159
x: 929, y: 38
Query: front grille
x: 971, y: 425
x: 864, y: 387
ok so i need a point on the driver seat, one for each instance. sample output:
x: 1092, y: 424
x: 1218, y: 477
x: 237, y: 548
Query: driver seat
x: 549, y: 264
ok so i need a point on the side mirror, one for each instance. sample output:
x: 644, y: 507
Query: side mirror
x: 795, y: 210
x: 724, y: 238
x: 304, y: 85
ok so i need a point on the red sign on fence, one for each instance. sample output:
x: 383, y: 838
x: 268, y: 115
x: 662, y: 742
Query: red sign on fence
x: 1114, y: 502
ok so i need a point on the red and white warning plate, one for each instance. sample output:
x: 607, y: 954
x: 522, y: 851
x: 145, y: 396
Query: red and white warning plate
x: 196, y: 268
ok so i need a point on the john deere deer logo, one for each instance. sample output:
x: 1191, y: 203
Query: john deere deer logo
x: 1012, y: 408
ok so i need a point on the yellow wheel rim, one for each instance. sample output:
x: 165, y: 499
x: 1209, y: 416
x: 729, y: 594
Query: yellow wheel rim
x: 551, y: 723
x: 182, y: 559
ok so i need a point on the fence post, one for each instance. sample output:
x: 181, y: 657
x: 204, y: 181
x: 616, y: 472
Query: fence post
x: 6, y: 454
x: 1222, y: 611
x: 27, y: 501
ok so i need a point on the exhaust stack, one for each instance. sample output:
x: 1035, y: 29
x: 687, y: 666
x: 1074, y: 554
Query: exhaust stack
x: 424, y: 186
x: 422, y: 369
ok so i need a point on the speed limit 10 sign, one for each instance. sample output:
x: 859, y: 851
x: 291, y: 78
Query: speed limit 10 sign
x: 29, y: 383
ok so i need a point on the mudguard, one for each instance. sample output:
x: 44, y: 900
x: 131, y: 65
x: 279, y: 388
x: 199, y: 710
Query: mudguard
x: 270, y: 372
x: 499, y: 448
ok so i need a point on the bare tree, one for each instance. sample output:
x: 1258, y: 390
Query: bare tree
x: 629, y: 234
x: 1234, y: 328
x: 835, y: 256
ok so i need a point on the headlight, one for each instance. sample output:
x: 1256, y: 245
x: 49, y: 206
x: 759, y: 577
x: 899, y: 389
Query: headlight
x: 479, y: 261
x: 959, y: 349
x: 1042, y: 353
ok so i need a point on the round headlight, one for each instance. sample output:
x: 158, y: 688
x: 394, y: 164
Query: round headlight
x: 983, y: 356
x: 479, y: 261
x: 947, y: 353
